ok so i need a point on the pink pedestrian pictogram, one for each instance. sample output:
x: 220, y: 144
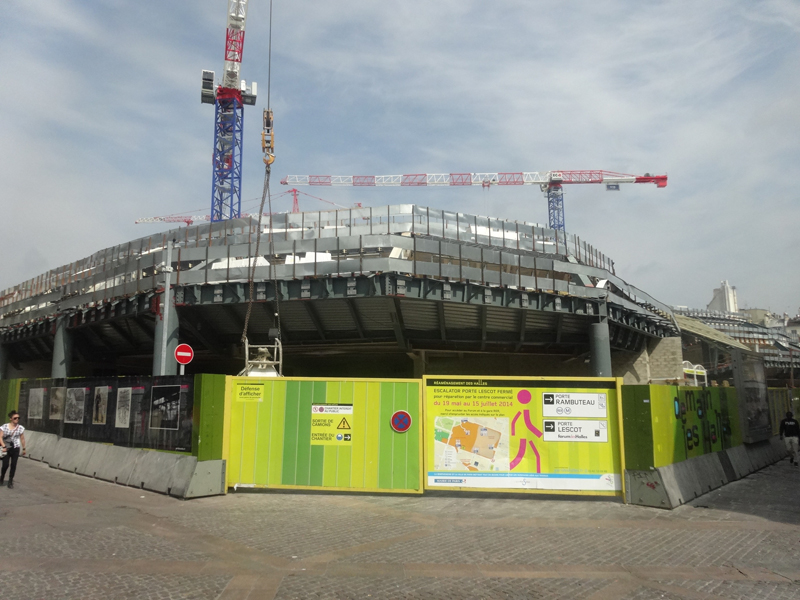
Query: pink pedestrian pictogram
x: 524, y: 397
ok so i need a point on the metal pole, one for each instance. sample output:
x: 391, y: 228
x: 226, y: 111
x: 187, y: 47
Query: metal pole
x: 165, y: 305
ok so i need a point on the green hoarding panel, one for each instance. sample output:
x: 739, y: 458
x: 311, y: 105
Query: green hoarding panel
x: 324, y: 433
x: 208, y: 416
x: 667, y: 424
x: 636, y: 402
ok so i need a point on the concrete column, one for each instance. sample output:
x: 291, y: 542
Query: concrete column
x: 3, y: 362
x: 62, y: 351
x: 168, y: 313
x: 600, y: 348
x: 420, y: 363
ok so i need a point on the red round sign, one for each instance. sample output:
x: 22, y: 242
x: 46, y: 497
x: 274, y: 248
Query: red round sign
x: 184, y: 354
x: 401, y: 421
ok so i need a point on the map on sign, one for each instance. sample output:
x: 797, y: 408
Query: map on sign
x: 471, y: 443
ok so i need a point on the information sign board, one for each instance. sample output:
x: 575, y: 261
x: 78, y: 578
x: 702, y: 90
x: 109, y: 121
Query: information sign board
x: 331, y: 424
x: 501, y: 433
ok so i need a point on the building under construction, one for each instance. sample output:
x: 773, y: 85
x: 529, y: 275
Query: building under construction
x: 384, y: 291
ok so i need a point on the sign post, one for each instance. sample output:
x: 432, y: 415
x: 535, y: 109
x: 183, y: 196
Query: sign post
x: 183, y: 355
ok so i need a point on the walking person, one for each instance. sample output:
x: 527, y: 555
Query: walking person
x: 790, y: 434
x: 12, y: 439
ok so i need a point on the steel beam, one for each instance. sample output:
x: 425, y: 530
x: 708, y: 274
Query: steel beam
x: 395, y: 314
x: 483, y: 311
x: 356, y: 319
x: 125, y: 335
x: 312, y: 314
x: 442, y: 321
x: 212, y: 346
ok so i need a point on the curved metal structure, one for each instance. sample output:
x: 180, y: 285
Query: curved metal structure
x: 392, y: 278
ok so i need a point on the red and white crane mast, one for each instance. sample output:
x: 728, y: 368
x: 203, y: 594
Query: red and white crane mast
x: 550, y: 182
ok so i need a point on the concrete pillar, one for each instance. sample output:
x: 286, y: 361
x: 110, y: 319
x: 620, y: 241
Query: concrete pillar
x: 600, y: 348
x: 420, y: 363
x: 168, y: 314
x: 62, y: 351
x: 3, y: 362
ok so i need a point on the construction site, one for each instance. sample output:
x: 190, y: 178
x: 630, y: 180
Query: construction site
x: 416, y: 389
x: 362, y: 291
x: 389, y: 347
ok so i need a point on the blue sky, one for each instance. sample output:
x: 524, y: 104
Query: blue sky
x: 101, y: 122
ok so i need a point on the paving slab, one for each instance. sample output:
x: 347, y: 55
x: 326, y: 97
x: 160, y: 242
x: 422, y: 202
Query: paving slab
x: 65, y: 536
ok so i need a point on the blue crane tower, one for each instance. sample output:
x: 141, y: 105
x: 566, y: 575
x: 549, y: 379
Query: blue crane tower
x: 229, y: 99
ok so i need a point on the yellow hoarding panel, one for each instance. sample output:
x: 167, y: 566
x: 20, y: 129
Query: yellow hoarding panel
x: 522, y: 434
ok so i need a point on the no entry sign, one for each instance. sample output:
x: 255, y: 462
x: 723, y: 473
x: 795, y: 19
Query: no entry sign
x: 184, y: 354
x: 401, y: 421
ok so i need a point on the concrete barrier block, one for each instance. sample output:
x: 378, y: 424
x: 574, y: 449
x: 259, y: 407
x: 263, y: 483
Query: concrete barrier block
x: 81, y: 453
x: 51, y: 453
x: 181, y: 476
x: 178, y: 475
x: 778, y: 448
x: 68, y: 454
x: 755, y: 456
x: 30, y: 439
x: 740, y: 461
x: 98, y: 457
x: 764, y: 450
x: 115, y: 465
x: 208, y: 479
x: 709, y: 472
x: 680, y: 482
x: 645, y: 488
x: 759, y: 454
x: 153, y: 471
x: 39, y: 444
x: 727, y: 466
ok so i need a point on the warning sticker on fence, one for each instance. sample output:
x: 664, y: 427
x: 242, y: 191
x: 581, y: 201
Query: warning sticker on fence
x: 330, y: 426
x: 248, y: 392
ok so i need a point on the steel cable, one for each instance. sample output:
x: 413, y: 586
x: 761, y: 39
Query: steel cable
x: 266, y: 197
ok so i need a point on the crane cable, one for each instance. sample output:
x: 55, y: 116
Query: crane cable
x: 265, y: 197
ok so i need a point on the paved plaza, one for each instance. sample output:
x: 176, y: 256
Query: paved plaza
x: 64, y: 536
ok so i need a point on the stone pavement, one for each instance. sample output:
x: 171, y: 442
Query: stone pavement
x: 65, y: 536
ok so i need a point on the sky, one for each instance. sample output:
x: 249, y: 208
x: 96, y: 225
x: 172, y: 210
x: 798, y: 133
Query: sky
x: 101, y: 122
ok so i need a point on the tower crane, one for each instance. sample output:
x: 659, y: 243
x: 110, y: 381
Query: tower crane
x: 228, y: 99
x: 189, y: 219
x: 550, y: 182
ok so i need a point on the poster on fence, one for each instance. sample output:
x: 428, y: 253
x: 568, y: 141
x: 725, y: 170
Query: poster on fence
x: 57, y: 396
x: 165, y: 407
x: 35, y: 403
x: 123, y: 419
x: 520, y: 434
x: 73, y: 411
x: 100, y: 406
